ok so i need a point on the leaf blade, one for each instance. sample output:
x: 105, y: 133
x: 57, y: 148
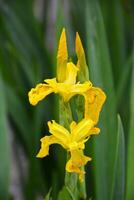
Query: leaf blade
x: 119, y: 185
x: 4, y: 148
x: 130, y: 152
x: 101, y: 75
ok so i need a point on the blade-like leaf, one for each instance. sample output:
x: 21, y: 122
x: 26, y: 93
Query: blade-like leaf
x: 64, y: 194
x: 123, y: 78
x: 101, y: 76
x: 115, y: 26
x: 15, y: 107
x: 119, y: 186
x: 48, y: 196
x: 130, y: 152
x: 4, y: 147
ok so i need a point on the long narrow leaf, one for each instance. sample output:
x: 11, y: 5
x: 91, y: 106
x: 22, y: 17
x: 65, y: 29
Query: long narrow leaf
x: 119, y: 187
x: 101, y: 75
x: 4, y: 147
x: 130, y: 153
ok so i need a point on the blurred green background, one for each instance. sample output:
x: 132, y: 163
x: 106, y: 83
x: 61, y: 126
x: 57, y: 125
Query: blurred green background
x: 29, y: 35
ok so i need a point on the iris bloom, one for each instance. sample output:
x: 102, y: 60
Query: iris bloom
x: 66, y: 85
x: 73, y: 141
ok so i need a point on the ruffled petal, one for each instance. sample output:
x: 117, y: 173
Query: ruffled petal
x: 60, y: 133
x: 81, y: 64
x: 53, y: 84
x: 71, y: 73
x: 94, y: 100
x: 82, y: 130
x: 45, y: 143
x: 77, y: 160
x: 38, y: 93
x: 62, y: 58
x: 81, y: 88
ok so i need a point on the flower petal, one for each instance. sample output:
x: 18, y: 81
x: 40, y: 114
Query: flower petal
x: 53, y: 84
x: 77, y: 160
x: 94, y: 100
x: 73, y: 125
x: 45, y: 143
x: 81, y: 88
x: 38, y: 93
x: 62, y: 58
x: 81, y: 64
x: 82, y: 130
x: 71, y: 73
x: 94, y: 131
x: 68, y: 91
x: 59, y: 132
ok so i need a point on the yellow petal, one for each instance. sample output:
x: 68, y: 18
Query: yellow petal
x: 94, y: 100
x: 81, y: 88
x: 81, y: 64
x: 62, y: 58
x: 73, y: 125
x: 94, y: 131
x: 73, y: 145
x: 53, y: 84
x: 60, y: 133
x: 76, y: 161
x: 79, y: 48
x: 45, y: 143
x: 68, y: 91
x: 71, y: 73
x: 38, y: 93
x: 82, y: 130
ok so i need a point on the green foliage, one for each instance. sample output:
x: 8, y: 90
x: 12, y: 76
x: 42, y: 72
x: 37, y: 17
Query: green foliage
x: 4, y: 146
x: 130, y: 161
x: 101, y: 75
x: 48, y: 196
x: 64, y: 194
x: 28, y: 46
x: 119, y: 184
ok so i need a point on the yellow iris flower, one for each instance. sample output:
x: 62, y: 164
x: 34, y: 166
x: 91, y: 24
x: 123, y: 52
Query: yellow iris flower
x: 73, y: 141
x: 65, y: 84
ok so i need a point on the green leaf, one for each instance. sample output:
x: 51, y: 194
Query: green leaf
x: 4, y: 147
x: 64, y: 194
x: 119, y: 185
x: 101, y: 76
x: 22, y: 121
x: 71, y: 184
x: 130, y: 152
x: 48, y: 196
x: 124, y: 78
x: 114, y: 20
